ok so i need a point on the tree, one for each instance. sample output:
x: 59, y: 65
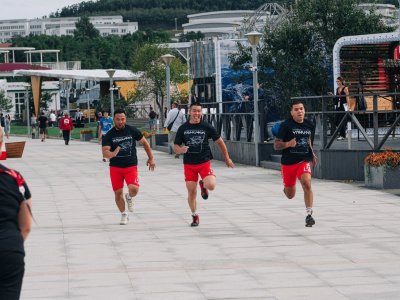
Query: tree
x: 5, y: 102
x: 148, y: 60
x: 85, y: 29
x: 191, y: 35
x: 45, y: 101
x: 298, y: 54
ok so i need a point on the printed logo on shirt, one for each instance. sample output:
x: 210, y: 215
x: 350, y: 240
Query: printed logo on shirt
x: 125, y: 143
x: 194, y: 140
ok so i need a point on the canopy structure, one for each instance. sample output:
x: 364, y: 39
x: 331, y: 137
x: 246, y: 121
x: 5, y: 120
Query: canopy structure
x: 94, y: 75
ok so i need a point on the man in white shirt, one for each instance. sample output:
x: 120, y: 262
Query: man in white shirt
x: 53, y: 118
x: 176, y: 118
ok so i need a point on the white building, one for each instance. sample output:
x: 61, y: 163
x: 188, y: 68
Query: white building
x: 225, y: 24
x: 388, y: 12
x: 107, y: 25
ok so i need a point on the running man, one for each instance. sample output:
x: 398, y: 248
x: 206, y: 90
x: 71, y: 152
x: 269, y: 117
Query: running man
x: 194, y: 135
x: 295, y: 139
x: 119, y: 145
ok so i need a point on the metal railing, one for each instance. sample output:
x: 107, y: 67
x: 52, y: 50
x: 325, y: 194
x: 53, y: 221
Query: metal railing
x: 367, y: 122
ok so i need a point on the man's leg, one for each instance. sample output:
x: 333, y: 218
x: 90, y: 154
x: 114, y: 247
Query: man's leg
x: 132, y: 192
x: 119, y: 200
x: 290, y: 191
x: 289, y: 180
x: 305, y: 180
x: 191, y: 187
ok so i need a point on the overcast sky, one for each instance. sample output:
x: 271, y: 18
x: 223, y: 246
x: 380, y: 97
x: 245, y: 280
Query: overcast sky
x: 30, y: 9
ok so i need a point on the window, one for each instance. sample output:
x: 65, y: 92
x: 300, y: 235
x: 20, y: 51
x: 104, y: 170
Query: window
x: 19, y: 104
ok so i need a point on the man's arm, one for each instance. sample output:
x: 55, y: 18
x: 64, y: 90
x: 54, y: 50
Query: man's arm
x: 150, y: 162
x: 281, y: 145
x: 107, y: 153
x: 228, y: 161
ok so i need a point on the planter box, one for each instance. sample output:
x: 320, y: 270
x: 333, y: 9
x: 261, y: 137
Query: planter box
x: 383, y: 177
x: 86, y: 136
x: 15, y: 149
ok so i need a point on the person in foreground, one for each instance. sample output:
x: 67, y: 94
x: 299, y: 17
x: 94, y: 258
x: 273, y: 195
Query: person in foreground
x: 15, y: 225
x: 295, y: 138
x: 192, y: 141
x: 119, y: 146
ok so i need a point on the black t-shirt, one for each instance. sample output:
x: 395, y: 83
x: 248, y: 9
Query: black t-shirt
x: 126, y: 139
x: 196, y: 137
x: 152, y: 114
x: 42, y: 121
x: 303, y: 132
x: 10, y: 200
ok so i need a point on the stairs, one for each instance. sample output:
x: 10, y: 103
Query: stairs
x: 273, y: 164
x: 138, y: 123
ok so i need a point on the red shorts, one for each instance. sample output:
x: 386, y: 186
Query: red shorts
x: 118, y: 175
x: 192, y: 172
x: 291, y: 172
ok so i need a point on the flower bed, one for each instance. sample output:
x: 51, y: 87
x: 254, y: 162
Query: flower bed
x: 382, y: 170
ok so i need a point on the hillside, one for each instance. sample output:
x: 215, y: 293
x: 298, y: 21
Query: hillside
x: 157, y: 14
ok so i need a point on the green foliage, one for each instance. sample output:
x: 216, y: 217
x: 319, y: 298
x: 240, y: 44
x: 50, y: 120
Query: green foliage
x: 153, y: 82
x: 5, y: 102
x: 94, y: 52
x: 190, y: 36
x: 85, y: 29
x: 45, y: 101
x: 156, y: 13
x: 299, y: 51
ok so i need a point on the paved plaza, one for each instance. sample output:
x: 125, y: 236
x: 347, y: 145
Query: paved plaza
x: 251, y: 242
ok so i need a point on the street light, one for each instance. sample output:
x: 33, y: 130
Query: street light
x: 87, y: 91
x: 67, y: 82
x: 167, y: 59
x: 111, y: 73
x: 254, y: 38
x: 27, y: 110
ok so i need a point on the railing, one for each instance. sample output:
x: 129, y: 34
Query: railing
x: 234, y: 120
x: 138, y: 111
x: 367, y: 122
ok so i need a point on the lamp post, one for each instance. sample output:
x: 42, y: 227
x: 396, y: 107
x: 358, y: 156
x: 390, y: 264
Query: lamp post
x: 167, y: 59
x: 254, y: 38
x: 67, y: 83
x: 27, y: 110
x: 88, y: 105
x: 111, y: 73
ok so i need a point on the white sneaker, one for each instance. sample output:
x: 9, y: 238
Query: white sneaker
x: 124, y: 219
x: 340, y: 138
x: 129, y: 202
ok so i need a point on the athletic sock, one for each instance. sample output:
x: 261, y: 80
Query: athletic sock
x: 194, y: 214
x: 309, y: 210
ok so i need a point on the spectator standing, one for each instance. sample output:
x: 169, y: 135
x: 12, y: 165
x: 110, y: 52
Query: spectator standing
x: 43, y: 123
x: 15, y: 225
x: 98, y: 117
x: 175, y: 119
x: 2, y: 120
x: 34, y: 125
x: 152, y: 119
x: 7, y: 127
x: 78, y: 118
x: 53, y: 118
x: 66, y: 126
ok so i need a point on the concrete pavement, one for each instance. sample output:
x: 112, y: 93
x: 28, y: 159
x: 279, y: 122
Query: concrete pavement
x: 251, y: 242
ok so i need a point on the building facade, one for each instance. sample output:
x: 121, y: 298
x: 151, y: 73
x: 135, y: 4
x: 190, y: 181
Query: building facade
x: 106, y: 25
